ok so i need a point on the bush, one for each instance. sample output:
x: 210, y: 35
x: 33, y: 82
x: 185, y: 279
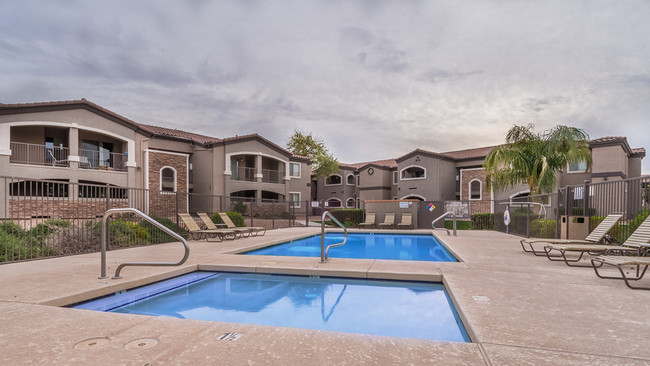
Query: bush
x: 13, y: 248
x: 239, y: 207
x: 542, y: 229
x: 482, y: 221
x: 235, y: 217
x: 460, y: 225
x: 11, y: 228
x: 157, y: 236
x: 126, y: 234
x: 353, y: 216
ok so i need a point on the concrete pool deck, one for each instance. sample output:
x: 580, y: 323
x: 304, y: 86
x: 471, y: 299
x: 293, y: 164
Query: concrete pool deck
x: 518, y: 308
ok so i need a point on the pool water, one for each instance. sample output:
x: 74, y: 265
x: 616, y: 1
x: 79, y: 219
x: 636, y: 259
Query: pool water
x: 388, y: 308
x: 366, y: 246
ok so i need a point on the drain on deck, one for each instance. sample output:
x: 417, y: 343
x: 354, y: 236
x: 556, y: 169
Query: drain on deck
x: 143, y: 343
x: 92, y: 343
x: 230, y: 336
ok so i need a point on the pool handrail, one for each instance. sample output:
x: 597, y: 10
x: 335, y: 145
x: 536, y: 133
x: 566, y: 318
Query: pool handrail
x: 151, y: 221
x: 453, y: 215
x: 324, y: 251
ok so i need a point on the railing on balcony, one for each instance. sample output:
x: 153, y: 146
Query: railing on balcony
x: 24, y: 153
x: 243, y: 173
x: 272, y: 176
x: 102, y: 160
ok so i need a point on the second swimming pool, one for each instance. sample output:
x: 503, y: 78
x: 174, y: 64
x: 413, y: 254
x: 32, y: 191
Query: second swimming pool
x: 388, y: 308
x: 366, y: 246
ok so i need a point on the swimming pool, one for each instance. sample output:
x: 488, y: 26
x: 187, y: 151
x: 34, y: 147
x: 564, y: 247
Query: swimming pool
x: 366, y: 246
x: 389, y: 308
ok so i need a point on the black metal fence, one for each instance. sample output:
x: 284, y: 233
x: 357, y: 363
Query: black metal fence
x: 46, y: 218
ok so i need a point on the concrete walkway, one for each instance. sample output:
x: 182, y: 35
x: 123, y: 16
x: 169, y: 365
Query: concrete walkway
x: 519, y: 310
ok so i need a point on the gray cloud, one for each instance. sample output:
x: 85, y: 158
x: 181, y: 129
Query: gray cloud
x: 374, y: 79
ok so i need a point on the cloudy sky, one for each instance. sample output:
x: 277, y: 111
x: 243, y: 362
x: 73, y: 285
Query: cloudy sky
x: 374, y: 79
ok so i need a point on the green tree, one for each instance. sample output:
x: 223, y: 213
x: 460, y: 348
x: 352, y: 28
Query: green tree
x: 535, y: 159
x: 305, y: 144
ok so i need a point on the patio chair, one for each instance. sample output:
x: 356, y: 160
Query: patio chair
x: 638, y: 243
x: 389, y: 220
x: 370, y: 221
x: 254, y: 231
x: 640, y: 264
x: 196, y: 233
x: 407, y: 219
x: 595, y: 237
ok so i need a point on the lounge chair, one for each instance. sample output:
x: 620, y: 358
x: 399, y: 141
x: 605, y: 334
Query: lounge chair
x: 637, y: 243
x: 595, y: 237
x: 196, y: 233
x: 254, y: 231
x: 641, y: 264
x: 389, y: 220
x: 370, y: 221
x: 407, y: 220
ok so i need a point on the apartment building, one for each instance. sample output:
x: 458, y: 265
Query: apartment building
x: 458, y: 175
x: 81, y: 142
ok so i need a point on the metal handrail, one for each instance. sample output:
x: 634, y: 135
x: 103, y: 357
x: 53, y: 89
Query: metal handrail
x: 324, y: 251
x: 153, y: 222
x: 453, y: 215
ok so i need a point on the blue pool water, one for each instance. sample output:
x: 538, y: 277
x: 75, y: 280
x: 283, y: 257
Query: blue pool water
x: 367, y: 246
x: 390, y: 308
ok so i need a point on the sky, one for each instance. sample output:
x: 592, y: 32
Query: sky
x: 374, y: 79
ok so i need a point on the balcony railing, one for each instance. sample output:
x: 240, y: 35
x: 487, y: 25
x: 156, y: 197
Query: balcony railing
x: 243, y: 173
x: 101, y: 160
x: 24, y: 153
x: 272, y: 176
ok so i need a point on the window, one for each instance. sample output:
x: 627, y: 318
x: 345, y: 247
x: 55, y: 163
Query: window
x: 350, y: 179
x: 414, y: 172
x: 349, y: 203
x: 395, y: 177
x: 475, y: 189
x: 294, y: 170
x: 358, y: 181
x: 333, y: 180
x: 167, y: 179
x: 333, y: 202
x: 577, y: 167
x: 294, y: 198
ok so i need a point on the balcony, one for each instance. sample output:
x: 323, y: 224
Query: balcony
x: 33, y: 154
x: 243, y: 173
x: 102, y: 160
x: 56, y: 156
x: 272, y: 176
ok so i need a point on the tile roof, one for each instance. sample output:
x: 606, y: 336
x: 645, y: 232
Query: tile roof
x: 475, y: 153
x: 180, y: 134
x: 387, y: 163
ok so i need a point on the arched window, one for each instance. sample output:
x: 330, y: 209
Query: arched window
x: 475, y: 191
x: 414, y: 172
x: 333, y: 202
x: 349, y: 203
x: 167, y: 179
x: 350, y: 179
x: 333, y: 180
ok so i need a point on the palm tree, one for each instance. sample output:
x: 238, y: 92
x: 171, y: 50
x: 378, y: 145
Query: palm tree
x: 535, y: 159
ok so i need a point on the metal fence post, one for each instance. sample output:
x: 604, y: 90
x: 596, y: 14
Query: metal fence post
x: 273, y: 214
x: 176, y: 208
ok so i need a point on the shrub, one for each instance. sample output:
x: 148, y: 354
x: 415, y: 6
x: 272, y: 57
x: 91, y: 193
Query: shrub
x: 235, y: 217
x: 542, y: 229
x: 10, y: 228
x: 460, y: 225
x: 239, y: 207
x: 354, y: 216
x: 287, y: 216
x: 127, y: 234
x: 482, y: 221
x: 157, y: 236
x: 14, y: 248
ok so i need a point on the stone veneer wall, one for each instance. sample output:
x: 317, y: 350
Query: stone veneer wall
x: 484, y: 205
x: 32, y: 207
x: 164, y: 203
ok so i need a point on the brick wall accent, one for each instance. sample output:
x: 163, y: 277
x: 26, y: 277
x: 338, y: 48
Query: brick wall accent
x: 164, y: 203
x: 61, y: 209
x: 484, y: 205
